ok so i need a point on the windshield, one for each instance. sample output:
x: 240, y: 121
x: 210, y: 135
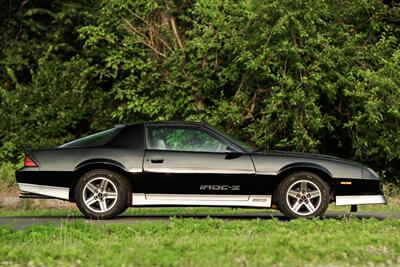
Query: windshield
x: 96, y: 139
x: 245, y: 146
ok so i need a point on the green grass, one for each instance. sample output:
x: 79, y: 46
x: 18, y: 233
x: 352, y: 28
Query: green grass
x: 174, y: 211
x: 208, y: 242
x: 26, y: 208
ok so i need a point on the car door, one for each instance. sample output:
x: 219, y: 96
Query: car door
x: 193, y: 162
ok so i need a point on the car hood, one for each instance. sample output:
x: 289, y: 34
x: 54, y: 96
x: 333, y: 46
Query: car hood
x: 302, y: 155
x: 276, y: 161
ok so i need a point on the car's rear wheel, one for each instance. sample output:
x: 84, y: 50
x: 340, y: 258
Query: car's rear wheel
x: 303, y: 194
x: 101, y: 194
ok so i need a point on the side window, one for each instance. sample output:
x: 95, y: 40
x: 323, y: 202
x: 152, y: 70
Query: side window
x: 182, y: 139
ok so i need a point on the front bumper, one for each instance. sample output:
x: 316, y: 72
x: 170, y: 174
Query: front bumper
x: 360, y: 200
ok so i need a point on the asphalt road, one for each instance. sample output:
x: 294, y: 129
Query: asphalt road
x: 20, y: 222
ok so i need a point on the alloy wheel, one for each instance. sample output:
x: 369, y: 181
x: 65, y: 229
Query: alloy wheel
x: 303, y: 197
x: 100, y: 195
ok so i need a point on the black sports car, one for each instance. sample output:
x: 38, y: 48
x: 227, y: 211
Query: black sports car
x: 190, y: 164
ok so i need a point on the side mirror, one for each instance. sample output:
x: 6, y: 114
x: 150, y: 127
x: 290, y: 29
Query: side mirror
x: 232, y: 153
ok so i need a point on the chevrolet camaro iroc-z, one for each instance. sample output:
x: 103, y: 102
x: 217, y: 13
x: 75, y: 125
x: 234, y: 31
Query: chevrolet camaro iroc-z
x: 190, y: 164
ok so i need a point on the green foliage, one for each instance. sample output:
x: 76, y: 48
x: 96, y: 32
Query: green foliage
x: 45, y: 96
x: 7, y: 174
x: 318, y: 76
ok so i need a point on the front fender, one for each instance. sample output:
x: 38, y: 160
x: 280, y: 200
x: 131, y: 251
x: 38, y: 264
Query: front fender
x: 304, y: 166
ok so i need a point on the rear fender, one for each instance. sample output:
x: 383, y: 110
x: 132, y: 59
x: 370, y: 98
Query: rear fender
x: 99, y: 161
x: 93, y: 164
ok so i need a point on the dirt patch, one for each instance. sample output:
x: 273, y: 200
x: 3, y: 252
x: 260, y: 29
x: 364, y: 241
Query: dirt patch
x: 395, y: 201
x: 9, y: 200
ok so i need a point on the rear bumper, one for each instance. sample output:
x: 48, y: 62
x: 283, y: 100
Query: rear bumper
x: 43, y: 190
x: 360, y: 200
x: 34, y: 183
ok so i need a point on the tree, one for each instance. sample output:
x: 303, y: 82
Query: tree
x: 296, y: 75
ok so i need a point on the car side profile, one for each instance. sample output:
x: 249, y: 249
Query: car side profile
x: 190, y: 164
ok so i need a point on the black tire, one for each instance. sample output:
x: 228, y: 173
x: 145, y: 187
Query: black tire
x: 302, y: 195
x: 107, y: 202
x: 123, y: 210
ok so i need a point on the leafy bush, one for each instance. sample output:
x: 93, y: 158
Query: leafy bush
x: 7, y: 174
x: 318, y: 76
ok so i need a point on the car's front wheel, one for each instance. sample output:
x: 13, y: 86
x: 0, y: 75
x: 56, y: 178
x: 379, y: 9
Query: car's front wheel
x: 303, y: 194
x: 101, y: 194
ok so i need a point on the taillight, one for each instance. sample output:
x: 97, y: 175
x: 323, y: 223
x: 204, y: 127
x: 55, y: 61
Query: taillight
x: 28, y: 162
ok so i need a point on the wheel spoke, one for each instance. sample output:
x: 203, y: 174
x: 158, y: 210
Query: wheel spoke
x: 90, y: 200
x: 310, y: 206
x: 303, y: 186
x: 103, y: 184
x: 92, y: 188
x: 297, y: 206
x: 111, y: 195
x: 103, y: 206
x: 314, y: 194
x: 293, y: 193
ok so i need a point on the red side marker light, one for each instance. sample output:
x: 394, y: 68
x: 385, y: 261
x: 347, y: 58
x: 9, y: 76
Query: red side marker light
x: 28, y: 162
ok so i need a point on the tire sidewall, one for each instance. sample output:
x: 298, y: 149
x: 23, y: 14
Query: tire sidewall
x: 119, y: 183
x: 293, y: 178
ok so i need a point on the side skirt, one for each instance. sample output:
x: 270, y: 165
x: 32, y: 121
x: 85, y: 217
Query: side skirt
x: 45, y: 190
x: 359, y: 200
x: 141, y: 199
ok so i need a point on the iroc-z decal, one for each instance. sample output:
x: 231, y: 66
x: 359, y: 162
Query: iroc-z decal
x: 217, y: 187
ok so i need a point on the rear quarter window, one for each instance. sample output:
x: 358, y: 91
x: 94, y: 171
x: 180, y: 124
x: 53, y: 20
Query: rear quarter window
x: 97, y: 139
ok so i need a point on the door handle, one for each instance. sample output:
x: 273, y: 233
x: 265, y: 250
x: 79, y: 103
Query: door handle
x: 157, y: 160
